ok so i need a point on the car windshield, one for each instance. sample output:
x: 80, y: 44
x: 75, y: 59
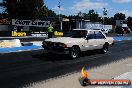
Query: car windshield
x: 76, y: 34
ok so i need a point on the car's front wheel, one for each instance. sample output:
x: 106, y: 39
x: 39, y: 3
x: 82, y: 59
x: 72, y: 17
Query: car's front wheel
x: 74, y: 52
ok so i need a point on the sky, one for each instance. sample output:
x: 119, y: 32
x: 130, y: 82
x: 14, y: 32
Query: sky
x: 72, y: 7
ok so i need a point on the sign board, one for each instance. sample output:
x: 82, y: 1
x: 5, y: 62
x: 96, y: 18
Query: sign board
x: 18, y: 34
x: 65, y: 19
x: 14, y: 33
x: 39, y: 34
x: 93, y: 26
x: 22, y: 34
x: 97, y: 26
x: 124, y: 25
x: 5, y: 21
x: 107, y: 26
x: 58, y: 33
x: 36, y: 23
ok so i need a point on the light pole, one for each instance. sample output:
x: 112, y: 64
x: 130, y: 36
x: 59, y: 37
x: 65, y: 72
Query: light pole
x: 60, y: 20
x: 104, y: 14
x: 81, y: 15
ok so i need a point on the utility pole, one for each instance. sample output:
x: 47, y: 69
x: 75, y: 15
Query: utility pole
x: 60, y: 19
x: 104, y: 14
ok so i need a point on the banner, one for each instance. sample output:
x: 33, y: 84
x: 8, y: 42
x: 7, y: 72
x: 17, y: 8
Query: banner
x: 36, y: 23
x: 14, y: 33
x: 107, y: 26
x: 23, y: 34
x: 39, y: 34
x: 97, y: 26
x: 93, y: 26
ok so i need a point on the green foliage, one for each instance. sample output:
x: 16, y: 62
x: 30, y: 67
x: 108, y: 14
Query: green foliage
x: 108, y: 21
x: 129, y: 22
x: 92, y: 16
x: 35, y: 9
x: 27, y: 9
x: 119, y: 16
x: 3, y: 15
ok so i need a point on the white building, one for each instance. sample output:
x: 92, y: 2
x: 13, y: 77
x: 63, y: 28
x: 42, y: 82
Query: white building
x: 121, y: 23
x: 86, y: 24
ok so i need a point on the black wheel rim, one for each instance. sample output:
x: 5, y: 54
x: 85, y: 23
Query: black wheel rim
x: 105, y: 49
x: 74, y: 53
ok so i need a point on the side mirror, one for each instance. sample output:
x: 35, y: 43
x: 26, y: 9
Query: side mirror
x: 87, y: 38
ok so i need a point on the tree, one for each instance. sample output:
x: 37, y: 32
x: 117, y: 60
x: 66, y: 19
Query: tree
x: 112, y: 20
x: 26, y: 9
x: 129, y: 22
x: 119, y: 16
x: 80, y: 14
x: 3, y: 15
x: 92, y: 16
x: 51, y: 13
x: 108, y: 21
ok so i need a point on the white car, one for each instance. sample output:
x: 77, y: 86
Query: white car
x: 76, y: 41
x: 105, y: 31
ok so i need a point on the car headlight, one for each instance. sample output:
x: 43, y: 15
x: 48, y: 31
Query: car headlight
x: 62, y: 45
x: 44, y: 43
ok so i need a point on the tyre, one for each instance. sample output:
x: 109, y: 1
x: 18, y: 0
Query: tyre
x: 74, y: 52
x: 85, y: 81
x: 105, y: 48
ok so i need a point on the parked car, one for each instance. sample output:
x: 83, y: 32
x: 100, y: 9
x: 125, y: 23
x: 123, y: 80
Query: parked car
x: 76, y: 41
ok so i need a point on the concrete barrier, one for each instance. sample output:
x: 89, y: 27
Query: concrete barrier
x: 17, y: 42
x: 10, y: 43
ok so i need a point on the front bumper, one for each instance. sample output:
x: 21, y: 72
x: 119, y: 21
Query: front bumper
x: 56, y: 50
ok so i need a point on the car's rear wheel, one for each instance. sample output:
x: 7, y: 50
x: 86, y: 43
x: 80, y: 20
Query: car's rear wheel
x: 105, y: 48
x: 74, y: 52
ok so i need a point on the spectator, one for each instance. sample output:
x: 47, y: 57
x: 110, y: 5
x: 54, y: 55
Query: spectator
x: 50, y: 31
x: 122, y: 31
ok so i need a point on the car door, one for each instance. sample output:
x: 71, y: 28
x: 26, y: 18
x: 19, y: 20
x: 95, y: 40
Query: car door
x: 100, y: 39
x: 90, y: 41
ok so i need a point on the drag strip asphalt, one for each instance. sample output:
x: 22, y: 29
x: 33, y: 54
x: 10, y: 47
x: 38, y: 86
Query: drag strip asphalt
x: 24, y: 68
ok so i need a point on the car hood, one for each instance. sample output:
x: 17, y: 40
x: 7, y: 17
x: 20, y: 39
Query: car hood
x: 65, y: 39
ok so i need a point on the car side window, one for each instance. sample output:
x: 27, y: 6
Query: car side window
x: 91, y: 35
x: 83, y: 34
x: 99, y: 35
